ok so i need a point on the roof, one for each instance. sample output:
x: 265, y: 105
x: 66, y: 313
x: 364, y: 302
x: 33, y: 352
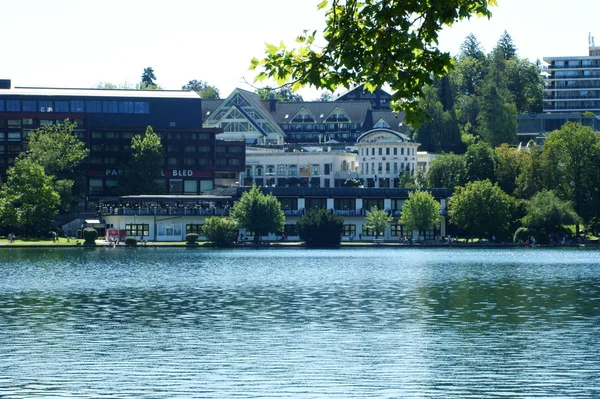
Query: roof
x: 57, y: 92
x: 356, y: 110
x: 355, y: 192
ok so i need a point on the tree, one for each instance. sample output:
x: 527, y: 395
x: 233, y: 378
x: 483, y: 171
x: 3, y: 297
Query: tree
x: 144, y: 166
x: 204, y: 90
x: 325, y: 96
x: 524, y: 81
x: 570, y: 159
x: 508, y: 167
x: 481, y: 209
x: 548, y: 214
x: 58, y: 150
x: 497, y: 112
x: 221, y: 231
x: 506, y: 46
x: 258, y: 213
x: 378, y: 220
x: 420, y: 212
x: 377, y: 42
x: 148, y: 77
x: 320, y: 228
x: 480, y: 162
x: 471, y: 48
x: 29, y: 198
x: 283, y: 94
x: 447, y: 171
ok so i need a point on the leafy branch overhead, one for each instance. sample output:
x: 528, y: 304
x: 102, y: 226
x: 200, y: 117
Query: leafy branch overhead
x: 375, y: 43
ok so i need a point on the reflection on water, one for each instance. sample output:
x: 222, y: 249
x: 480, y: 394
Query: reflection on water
x: 381, y: 323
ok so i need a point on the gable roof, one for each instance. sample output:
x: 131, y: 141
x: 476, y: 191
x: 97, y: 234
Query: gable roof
x: 357, y: 111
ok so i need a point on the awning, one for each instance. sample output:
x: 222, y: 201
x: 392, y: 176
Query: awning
x: 92, y: 221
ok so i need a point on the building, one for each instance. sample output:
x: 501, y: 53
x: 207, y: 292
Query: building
x: 194, y: 161
x: 383, y: 155
x: 244, y: 116
x: 170, y: 218
x: 571, y: 94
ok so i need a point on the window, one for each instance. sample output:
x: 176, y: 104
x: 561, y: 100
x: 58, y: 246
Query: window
x: 270, y: 170
x: 175, y: 186
x: 367, y: 232
x: 95, y: 185
x: 1, y: 105
x: 61, y: 106
x: 316, y: 203
x: 387, y: 151
x: 14, y: 123
x: 395, y: 151
x: 110, y: 107
x: 349, y: 230
x: 369, y: 203
x: 193, y: 228
x: 234, y: 162
x: 171, y: 161
x: 126, y: 107
x: 280, y: 170
x: 259, y: 171
x: 380, y: 151
x: 190, y: 148
x: 344, y: 204
x: 138, y: 229
x: 204, y: 148
x: 168, y: 229
x: 14, y: 136
x: 221, y: 149
x: 293, y: 170
x: 13, y: 105
x: 77, y: 106
x: 45, y: 106
x: 315, y: 170
x: 142, y: 107
x: 236, y: 149
x: 94, y: 107
x: 27, y: 121
x: 189, y: 161
x: 29, y: 106
x: 190, y: 186
x: 397, y: 230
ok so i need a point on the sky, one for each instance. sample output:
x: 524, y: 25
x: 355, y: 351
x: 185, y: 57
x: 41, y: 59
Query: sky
x: 78, y: 44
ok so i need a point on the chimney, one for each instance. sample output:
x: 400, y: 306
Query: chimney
x: 4, y: 83
x: 272, y: 102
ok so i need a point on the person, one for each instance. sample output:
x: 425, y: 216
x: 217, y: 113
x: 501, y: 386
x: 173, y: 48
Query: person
x: 10, y: 237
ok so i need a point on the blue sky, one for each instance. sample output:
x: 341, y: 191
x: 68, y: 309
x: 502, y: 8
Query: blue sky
x: 75, y: 43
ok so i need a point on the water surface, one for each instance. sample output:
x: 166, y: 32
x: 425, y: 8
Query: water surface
x: 294, y: 323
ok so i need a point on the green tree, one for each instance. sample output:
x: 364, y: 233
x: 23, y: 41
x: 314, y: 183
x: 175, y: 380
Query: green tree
x: 447, y: 171
x: 144, y: 166
x: 30, y: 192
x: 259, y: 213
x: 283, y: 94
x: 570, y: 162
x: 221, y: 231
x: 378, y: 42
x: 378, y: 220
x: 506, y: 46
x: 440, y: 132
x: 148, y: 77
x: 532, y: 175
x: 480, y: 162
x: 481, y: 209
x: 524, y: 82
x: 471, y: 48
x: 204, y: 90
x: 59, y: 151
x: 320, y: 228
x: 508, y: 167
x: 548, y: 214
x: 420, y: 212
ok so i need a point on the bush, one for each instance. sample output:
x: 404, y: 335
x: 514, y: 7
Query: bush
x: 191, y: 238
x: 321, y: 229
x: 131, y: 241
x: 221, y: 231
x: 90, y: 235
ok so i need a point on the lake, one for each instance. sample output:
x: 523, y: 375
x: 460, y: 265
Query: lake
x: 296, y: 323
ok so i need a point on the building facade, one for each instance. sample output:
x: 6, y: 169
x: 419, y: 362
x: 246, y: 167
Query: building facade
x: 170, y: 218
x: 244, y: 116
x: 194, y: 161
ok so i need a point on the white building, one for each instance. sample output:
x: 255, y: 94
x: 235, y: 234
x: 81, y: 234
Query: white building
x: 383, y: 155
x: 276, y: 168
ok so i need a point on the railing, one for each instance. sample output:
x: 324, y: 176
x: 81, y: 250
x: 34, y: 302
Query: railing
x: 164, y: 211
